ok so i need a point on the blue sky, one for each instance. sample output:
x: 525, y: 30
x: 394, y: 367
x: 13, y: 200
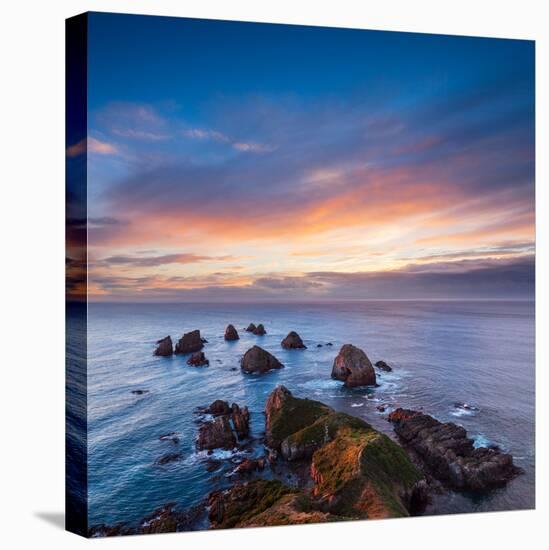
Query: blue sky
x: 254, y: 161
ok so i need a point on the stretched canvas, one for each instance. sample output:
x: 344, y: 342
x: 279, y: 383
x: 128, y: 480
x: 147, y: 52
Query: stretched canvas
x: 300, y: 274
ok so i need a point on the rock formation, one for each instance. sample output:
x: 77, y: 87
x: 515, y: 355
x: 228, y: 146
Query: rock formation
x: 256, y: 359
x: 293, y: 341
x: 218, y: 407
x: 358, y: 471
x: 382, y: 365
x: 353, y: 367
x: 231, y: 333
x: 449, y: 455
x: 165, y: 347
x: 260, y: 330
x: 285, y: 415
x: 251, y: 327
x: 262, y: 503
x: 241, y: 420
x: 198, y: 359
x: 189, y: 343
x: 216, y: 434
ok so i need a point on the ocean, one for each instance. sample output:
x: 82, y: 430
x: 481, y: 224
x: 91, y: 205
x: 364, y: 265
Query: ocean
x: 444, y: 355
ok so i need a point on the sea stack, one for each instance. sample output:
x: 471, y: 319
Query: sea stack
x: 251, y: 327
x: 256, y: 359
x: 165, y: 347
x: 260, y: 330
x: 198, y: 359
x: 293, y: 341
x: 189, y: 343
x: 353, y: 367
x: 231, y: 333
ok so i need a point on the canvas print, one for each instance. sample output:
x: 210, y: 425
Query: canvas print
x: 300, y: 274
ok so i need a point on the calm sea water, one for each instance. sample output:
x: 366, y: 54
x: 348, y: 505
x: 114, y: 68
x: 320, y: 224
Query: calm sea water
x: 479, y: 353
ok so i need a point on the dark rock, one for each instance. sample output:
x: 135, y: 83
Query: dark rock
x: 251, y: 327
x: 260, y: 330
x: 329, y: 344
x: 231, y: 334
x: 190, y: 342
x: 353, y: 367
x: 198, y: 359
x: 203, y: 340
x: 319, y: 345
x: 256, y: 359
x: 233, y: 368
x: 241, y: 420
x: 381, y: 408
x: 382, y: 365
x: 250, y: 465
x: 449, y: 455
x: 218, y: 407
x: 465, y: 407
x: 167, y: 458
x: 172, y: 436
x: 293, y: 341
x: 139, y: 392
x: 165, y: 347
x: 216, y: 434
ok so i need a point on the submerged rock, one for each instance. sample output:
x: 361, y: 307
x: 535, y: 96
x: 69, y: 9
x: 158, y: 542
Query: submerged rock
x: 382, y: 365
x: 251, y: 327
x: 167, y: 458
x: 449, y: 455
x: 140, y: 392
x: 198, y: 359
x: 216, y: 434
x: 353, y: 367
x: 172, y: 436
x: 165, y: 347
x: 241, y: 420
x: 293, y: 341
x: 256, y: 359
x: 190, y: 342
x: 231, y: 333
x: 260, y: 330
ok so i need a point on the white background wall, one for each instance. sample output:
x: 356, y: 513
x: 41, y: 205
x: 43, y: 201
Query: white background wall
x: 32, y: 274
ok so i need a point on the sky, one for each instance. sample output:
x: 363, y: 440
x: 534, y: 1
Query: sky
x: 248, y: 162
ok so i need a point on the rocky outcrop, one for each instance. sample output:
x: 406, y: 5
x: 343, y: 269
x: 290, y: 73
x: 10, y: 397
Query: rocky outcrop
x: 190, y: 342
x: 250, y: 465
x: 198, y: 359
x: 382, y: 365
x: 449, y: 455
x: 258, y: 360
x: 218, y: 407
x: 230, y: 424
x: 241, y: 420
x: 231, y: 334
x: 165, y: 347
x: 358, y: 471
x: 293, y: 341
x: 262, y: 503
x: 353, y: 367
x: 251, y: 327
x: 286, y: 415
x: 362, y: 473
x: 216, y: 434
x: 260, y: 330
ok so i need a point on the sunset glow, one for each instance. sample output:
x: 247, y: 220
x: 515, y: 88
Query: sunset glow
x: 319, y: 165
